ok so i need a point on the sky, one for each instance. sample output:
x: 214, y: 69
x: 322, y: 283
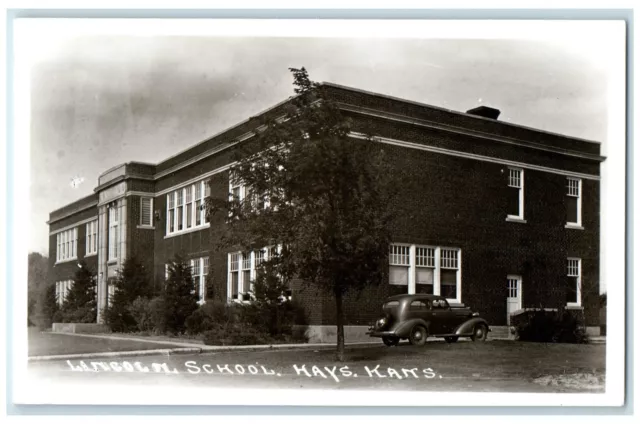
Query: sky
x: 98, y: 101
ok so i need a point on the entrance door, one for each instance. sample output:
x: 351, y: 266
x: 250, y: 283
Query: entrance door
x: 514, y: 295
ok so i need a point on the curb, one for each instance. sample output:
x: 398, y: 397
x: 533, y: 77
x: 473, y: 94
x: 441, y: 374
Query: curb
x: 191, y: 350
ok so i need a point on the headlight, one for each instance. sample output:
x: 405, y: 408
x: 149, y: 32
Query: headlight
x: 381, y: 322
x: 475, y: 314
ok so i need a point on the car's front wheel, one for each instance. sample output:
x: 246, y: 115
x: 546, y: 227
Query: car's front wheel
x: 451, y: 339
x: 418, y: 335
x: 390, y: 341
x: 479, y: 333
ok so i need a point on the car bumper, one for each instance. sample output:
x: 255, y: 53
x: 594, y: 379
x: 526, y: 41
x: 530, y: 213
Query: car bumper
x: 374, y: 333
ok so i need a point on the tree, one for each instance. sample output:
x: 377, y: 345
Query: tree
x: 36, y: 285
x: 321, y: 195
x: 80, y: 304
x: 179, y: 295
x: 131, y: 283
x: 47, y: 306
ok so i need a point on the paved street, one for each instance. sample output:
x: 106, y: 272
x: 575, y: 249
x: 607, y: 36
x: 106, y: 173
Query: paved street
x: 498, y: 366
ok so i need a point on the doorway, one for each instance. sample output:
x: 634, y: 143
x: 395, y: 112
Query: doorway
x: 514, y: 295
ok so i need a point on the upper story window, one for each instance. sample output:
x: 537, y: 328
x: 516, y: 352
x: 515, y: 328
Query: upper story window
x: 425, y: 269
x: 238, y: 192
x: 146, y: 211
x: 67, y: 245
x: 114, y: 233
x: 516, y: 194
x: 574, y: 277
x: 574, y: 202
x: 186, y: 207
x: 91, y: 232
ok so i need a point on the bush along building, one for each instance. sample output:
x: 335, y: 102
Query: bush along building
x: 497, y: 216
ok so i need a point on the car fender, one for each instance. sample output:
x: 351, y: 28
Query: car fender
x: 403, y: 329
x: 466, y: 328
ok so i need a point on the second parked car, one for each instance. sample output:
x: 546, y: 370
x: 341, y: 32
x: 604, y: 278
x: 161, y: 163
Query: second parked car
x: 418, y: 316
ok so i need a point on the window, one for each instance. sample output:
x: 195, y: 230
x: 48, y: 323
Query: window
x: 574, y: 281
x: 425, y: 269
x: 91, y: 232
x: 516, y: 194
x: 199, y: 272
x: 186, y: 207
x: 239, y: 192
x: 62, y: 291
x: 243, y: 267
x: 418, y: 305
x: 114, y: 236
x: 399, y: 265
x: 67, y: 245
x: 111, y: 290
x: 146, y: 211
x: 574, y: 202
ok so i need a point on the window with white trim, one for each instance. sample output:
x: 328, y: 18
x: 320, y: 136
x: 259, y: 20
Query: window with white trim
x: 186, y: 207
x: 62, y: 291
x: 67, y: 245
x: 114, y: 233
x: 91, y: 233
x: 425, y: 269
x: 146, y: 211
x: 243, y: 267
x: 574, y: 202
x: 238, y: 192
x: 199, y: 272
x: 574, y: 277
x: 516, y: 194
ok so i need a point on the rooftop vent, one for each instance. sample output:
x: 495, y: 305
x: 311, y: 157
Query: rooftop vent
x: 485, y: 111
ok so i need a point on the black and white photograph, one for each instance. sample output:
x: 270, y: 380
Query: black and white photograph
x: 328, y: 212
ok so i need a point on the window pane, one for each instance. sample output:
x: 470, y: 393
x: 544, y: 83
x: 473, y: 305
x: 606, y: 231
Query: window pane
x: 399, y: 275
x: 572, y: 209
x: 424, y: 280
x: 189, y: 213
x: 172, y: 220
x: 246, y: 281
x: 198, y: 213
x: 179, y: 218
x: 145, y: 211
x: 234, y: 285
x: 448, y: 283
x: 572, y: 289
x: 513, y: 207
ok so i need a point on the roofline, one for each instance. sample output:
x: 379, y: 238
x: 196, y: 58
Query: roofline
x: 245, y: 121
x: 125, y: 164
x: 455, y: 112
x: 75, y: 201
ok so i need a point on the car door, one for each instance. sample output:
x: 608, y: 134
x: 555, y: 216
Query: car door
x: 443, y: 317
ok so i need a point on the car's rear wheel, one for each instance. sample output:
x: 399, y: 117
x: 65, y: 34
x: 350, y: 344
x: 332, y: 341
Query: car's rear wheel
x: 391, y: 341
x: 418, y: 335
x: 479, y: 333
x: 451, y: 339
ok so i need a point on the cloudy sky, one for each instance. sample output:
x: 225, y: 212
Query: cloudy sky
x: 98, y: 101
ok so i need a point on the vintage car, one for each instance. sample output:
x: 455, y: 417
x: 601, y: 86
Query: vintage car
x: 418, y: 316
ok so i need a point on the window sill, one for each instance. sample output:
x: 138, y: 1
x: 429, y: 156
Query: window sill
x: 516, y: 219
x: 574, y: 307
x: 112, y: 262
x: 190, y: 230
x: 146, y: 227
x: 88, y: 255
x: 66, y: 260
x: 574, y: 227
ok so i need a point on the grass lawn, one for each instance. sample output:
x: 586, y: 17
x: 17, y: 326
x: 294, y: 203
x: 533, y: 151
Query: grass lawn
x: 44, y: 344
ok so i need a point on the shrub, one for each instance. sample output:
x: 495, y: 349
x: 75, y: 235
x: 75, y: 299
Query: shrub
x: 157, y: 314
x: 180, y: 298
x: 47, y: 306
x: 132, y: 283
x: 140, y: 311
x: 209, y: 314
x: 80, y: 304
x: 550, y: 327
x: 235, y: 334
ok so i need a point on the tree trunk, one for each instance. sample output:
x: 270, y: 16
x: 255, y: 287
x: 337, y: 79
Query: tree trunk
x: 340, y: 328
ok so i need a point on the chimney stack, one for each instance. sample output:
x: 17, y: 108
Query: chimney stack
x: 484, y: 111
